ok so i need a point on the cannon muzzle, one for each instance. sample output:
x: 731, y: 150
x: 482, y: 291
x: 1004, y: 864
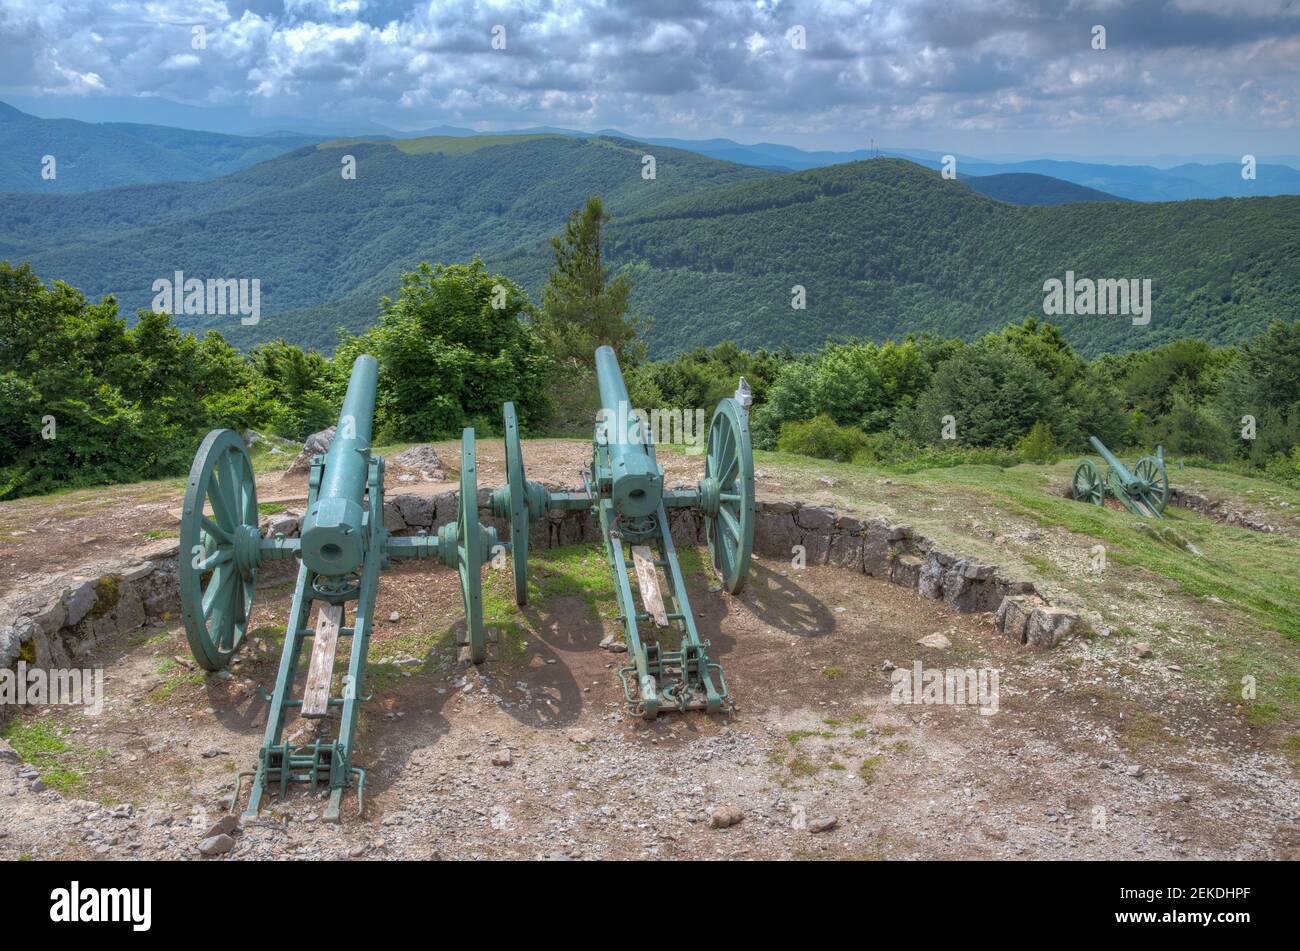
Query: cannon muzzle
x: 333, y: 542
x: 636, y: 483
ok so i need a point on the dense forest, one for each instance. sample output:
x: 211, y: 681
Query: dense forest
x: 882, y: 248
x: 87, y: 399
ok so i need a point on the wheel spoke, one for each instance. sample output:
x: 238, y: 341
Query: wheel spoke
x: 221, y: 510
x: 232, y: 619
x: 731, y: 470
x: 220, y: 556
x: 218, y: 590
x: 217, y: 532
x: 230, y: 488
x: 729, y: 520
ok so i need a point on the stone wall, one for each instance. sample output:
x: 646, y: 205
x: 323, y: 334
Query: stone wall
x: 1217, y: 509
x: 65, y: 629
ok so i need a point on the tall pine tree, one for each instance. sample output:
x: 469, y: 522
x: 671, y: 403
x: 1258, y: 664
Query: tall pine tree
x: 582, y: 307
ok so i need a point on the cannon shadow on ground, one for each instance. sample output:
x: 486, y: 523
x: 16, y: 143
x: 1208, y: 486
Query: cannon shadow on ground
x: 777, y: 601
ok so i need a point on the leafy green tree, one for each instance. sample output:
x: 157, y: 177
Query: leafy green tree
x: 451, y: 349
x: 582, y: 306
x: 1190, y: 429
x: 84, y: 400
x: 297, y: 388
x: 994, y: 395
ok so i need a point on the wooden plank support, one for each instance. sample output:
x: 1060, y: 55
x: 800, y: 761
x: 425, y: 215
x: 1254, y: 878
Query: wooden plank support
x: 647, y: 579
x: 320, y: 675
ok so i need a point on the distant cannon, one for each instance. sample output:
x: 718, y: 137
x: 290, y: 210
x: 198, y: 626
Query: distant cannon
x: 341, y: 551
x: 624, y: 488
x: 1144, y: 491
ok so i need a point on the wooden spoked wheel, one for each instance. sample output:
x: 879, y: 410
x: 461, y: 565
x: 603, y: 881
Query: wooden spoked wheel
x: 1088, y: 483
x: 219, y: 549
x: 727, y: 495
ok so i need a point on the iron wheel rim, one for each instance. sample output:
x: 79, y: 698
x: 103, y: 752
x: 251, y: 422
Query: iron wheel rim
x: 518, y: 504
x: 469, y: 549
x: 216, y: 592
x: 1152, y: 471
x: 729, y: 463
x: 1087, y: 483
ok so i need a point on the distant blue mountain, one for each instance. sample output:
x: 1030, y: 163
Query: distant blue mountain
x: 89, y: 156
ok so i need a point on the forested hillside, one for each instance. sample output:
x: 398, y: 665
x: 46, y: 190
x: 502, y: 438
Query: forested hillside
x: 881, y: 248
x: 885, y: 248
x: 314, y: 238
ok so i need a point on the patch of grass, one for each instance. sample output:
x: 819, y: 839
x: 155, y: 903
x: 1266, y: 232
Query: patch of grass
x: 832, y: 673
x: 574, y: 571
x: 1291, y: 749
x: 154, y: 534
x: 270, y: 508
x: 801, y: 766
x: 795, y: 736
x: 41, y: 742
x: 868, y: 768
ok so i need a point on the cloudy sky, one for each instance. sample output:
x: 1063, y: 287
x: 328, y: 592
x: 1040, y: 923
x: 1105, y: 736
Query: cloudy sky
x: 979, y: 76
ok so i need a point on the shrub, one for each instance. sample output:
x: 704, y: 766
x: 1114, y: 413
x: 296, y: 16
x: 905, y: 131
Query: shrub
x: 1038, y: 445
x: 822, y: 438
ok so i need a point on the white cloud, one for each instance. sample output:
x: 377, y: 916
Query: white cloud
x: 654, y: 66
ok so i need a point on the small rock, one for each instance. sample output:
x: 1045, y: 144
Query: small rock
x: 723, y: 817
x: 394, y: 617
x: 38, y: 785
x: 7, y: 753
x: 211, y: 752
x: 226, y: 825
x: 824, y: 824
x: 613, y: 644
x: 501, y: 758
x: 1142, y: 649
x: 937, y: 641
x: 217, y: 845
x: 888, y: 666
x: 1137, y: 771
x: 357, y: 850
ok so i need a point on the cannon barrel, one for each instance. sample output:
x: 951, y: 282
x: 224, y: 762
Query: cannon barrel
x: 636, y: 483
x: 1125, y: 477
x: 333, y: 542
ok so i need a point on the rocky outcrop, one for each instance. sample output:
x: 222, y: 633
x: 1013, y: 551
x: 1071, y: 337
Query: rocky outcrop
x: 316, y: 444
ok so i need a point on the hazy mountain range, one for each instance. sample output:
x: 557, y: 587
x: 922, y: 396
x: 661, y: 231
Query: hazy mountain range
x: 881, y: 248
x: 91, y: 156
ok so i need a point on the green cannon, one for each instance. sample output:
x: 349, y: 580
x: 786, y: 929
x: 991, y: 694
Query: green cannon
x: 669, y: 667
x: 342, y: 548
x: 1144, y: 491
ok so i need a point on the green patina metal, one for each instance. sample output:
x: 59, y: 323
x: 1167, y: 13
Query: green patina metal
x: 624, y: 489
x: 1143, y: 491
x: 342, y: 548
